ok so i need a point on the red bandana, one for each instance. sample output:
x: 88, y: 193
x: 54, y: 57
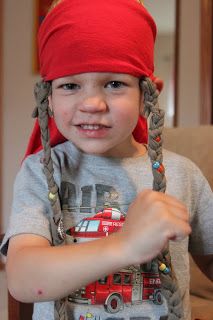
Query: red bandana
x: 95, y: 36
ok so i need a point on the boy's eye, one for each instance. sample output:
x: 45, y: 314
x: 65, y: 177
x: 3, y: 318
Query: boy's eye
x: 69, y: 86
x: 115, y: 84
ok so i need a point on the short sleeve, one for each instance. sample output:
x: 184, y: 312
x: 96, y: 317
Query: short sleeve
x: 30, y: 208
x: 201, y: 238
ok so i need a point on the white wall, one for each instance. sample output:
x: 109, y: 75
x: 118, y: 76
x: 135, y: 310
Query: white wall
x: 18, y: 81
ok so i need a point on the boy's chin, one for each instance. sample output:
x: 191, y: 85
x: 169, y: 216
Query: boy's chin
x: 97, y: 149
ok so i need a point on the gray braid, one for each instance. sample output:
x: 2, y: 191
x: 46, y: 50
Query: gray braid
x: 169, y: 283
x: 42, y: 111
x: 61, y: 310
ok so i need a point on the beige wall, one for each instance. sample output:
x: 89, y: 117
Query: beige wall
x: 18, y: 81
x: 189, y: 67
x: 164, y: 68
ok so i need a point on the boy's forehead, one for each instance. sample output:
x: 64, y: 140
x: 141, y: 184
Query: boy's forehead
x: 97, y: 36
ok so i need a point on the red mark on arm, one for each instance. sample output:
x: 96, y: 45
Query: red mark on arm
x: 39, y: 292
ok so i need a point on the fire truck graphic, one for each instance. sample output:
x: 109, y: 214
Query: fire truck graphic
x: 129, y: 286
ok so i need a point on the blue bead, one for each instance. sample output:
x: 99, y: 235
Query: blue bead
x: 156, y: 165
x: 166, y: 271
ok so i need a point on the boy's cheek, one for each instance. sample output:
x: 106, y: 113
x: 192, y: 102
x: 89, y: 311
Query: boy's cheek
x: 128, y: 120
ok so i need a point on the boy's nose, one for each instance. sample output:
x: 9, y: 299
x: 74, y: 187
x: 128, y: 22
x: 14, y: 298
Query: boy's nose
x: 93, y: 104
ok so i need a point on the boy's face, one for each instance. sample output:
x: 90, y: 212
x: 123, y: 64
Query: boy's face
x: 98, y: 111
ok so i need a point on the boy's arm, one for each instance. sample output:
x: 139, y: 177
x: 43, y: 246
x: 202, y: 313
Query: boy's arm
x: 205, y: 263
x: 37, y: 271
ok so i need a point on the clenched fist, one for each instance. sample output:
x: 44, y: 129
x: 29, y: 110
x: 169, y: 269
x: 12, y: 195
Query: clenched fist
x: 152, y: 220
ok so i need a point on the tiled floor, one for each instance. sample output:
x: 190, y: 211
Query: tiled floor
x: 3, y: 295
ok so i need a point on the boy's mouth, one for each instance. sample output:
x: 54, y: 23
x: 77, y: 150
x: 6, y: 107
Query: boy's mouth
x: 92, y: 126
x: 93, y: 130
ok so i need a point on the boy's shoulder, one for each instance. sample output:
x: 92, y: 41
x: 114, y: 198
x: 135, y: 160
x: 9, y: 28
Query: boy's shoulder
x: 171, y: 158
x: 184, y: 172
x: 58, y: 151
x: 179, y: 166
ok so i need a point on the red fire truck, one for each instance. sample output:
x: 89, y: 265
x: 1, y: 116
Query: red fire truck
x: 126, y: 287
x: 123, y: 287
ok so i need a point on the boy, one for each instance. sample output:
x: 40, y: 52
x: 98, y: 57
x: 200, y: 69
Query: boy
x: 96, y: 84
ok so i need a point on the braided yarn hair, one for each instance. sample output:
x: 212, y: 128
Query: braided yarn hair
x: 156, y: 120
x: 151, y: 108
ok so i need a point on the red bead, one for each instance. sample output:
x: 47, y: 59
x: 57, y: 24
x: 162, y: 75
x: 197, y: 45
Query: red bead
x: 158, y: 139
x: 161, y: 169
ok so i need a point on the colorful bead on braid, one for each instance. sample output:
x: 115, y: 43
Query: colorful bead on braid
x: 163, y: 268
x: 158, y: 166
x: 158, y: 139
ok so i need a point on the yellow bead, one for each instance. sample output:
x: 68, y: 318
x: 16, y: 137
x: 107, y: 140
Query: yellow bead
x: 51, y: 196
x: 162, y: 267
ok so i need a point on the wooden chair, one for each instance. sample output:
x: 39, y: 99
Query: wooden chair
x: 16, y: 309
x: 196, y: 144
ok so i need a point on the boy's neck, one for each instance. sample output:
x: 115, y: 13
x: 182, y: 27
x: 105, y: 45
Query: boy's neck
x: 133, y: 151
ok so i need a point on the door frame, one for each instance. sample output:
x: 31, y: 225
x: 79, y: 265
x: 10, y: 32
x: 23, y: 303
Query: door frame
x: 206, y: 62
x: 1, y: 91
x: 176, y: 66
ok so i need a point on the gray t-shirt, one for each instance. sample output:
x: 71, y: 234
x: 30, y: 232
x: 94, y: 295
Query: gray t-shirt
x: 96, y: 193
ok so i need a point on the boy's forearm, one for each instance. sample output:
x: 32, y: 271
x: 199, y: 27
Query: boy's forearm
x: 49, y: 273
